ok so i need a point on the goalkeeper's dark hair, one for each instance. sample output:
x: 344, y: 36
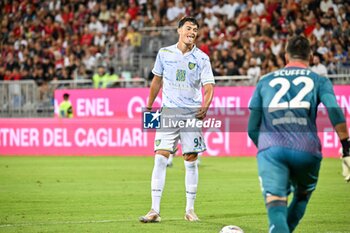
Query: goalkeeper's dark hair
x: 298, y: 47
x: 188, y: 19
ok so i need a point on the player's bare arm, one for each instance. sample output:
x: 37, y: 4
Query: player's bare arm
x: 343, y: 134
x: 208, y: 97
x: 156, y: 85
x: 342, y: 131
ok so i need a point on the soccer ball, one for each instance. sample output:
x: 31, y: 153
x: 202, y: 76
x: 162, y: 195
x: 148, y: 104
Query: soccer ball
x: 231, y: 229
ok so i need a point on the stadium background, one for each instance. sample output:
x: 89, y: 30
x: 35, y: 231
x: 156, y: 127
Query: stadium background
x: 57, y: 46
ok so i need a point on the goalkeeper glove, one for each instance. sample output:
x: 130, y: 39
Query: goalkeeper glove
x: 346, y: 158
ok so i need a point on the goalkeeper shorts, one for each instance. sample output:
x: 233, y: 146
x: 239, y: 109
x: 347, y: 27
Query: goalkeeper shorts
x: 282, y: 170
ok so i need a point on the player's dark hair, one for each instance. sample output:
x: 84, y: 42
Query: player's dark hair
x: 298, y: 47
x: 65, y: 96
x: 188, y: 19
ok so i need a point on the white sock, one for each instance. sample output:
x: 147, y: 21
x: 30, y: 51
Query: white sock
x: 170, y: 159
x: 158, y: 180
x: 191, y: 182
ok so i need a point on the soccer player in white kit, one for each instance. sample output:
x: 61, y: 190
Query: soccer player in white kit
x: 183, y: 69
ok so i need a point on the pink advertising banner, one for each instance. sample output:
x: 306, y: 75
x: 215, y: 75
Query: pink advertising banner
x: 108, y: 122
x: 106, y: 103
x: 73, y: 137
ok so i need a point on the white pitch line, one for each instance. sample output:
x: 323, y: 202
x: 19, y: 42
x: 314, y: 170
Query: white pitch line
x: 59, y: 223
x: 74, y: 222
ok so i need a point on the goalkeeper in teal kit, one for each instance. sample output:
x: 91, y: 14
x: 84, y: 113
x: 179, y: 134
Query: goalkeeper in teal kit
x: 282, y: 124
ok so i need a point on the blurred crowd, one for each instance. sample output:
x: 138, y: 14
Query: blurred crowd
x: 66, y: 39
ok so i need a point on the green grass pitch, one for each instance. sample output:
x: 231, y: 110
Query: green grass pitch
x: 108, y: 194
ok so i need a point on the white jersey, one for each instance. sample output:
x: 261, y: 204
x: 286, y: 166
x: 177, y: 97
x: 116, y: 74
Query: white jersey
x: 183, y: 76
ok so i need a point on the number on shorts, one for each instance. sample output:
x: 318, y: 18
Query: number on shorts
x: 197, y: 142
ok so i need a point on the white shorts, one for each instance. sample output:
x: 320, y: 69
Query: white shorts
x: 191, y: 141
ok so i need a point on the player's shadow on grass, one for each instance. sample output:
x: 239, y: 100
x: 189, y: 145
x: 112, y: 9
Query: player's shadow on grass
x: 232, y: 215
x: 213, y: 218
